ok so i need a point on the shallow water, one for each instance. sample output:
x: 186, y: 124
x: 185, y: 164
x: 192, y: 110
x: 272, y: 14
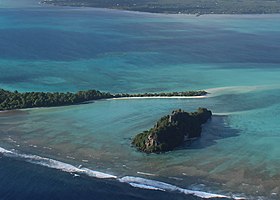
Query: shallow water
x: 235, y: 58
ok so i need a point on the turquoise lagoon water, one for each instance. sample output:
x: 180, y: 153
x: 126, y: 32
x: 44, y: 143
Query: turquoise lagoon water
x: 235, y: 58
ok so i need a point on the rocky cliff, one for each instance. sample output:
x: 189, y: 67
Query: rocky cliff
x: 172, y: 130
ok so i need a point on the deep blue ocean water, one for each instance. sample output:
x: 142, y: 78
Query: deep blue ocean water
x: 235, y: 58
x: 22, y: 180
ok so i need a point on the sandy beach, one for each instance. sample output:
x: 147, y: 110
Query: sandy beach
x: 160, y: 97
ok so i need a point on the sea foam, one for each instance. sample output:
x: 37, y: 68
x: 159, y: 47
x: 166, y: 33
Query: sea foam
x: 158, y: 185
x: 51, y: 163
x: 137, y: 182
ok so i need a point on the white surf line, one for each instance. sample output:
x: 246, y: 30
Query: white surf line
x: 51, y: 163
x: 228, y: 113
x: 158, y: 185
x: 137, y: 182
x: 147, y: 174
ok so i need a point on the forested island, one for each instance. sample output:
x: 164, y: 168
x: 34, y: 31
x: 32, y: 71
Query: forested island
x: 197, y: 7
x: 171, y: 131
x: 16, y: 100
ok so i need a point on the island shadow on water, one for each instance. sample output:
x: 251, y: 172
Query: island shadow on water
x: 184, y: 130
x: 215, y: 129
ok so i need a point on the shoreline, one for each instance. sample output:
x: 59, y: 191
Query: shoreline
x: 16, y: 100
x: 160, y: 97
x: 111, y: 99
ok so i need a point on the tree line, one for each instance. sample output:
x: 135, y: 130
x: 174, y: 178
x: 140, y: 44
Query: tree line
x: 16, y: 100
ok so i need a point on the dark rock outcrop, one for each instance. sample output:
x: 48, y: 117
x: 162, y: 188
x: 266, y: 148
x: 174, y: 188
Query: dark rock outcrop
x: 172, y: 130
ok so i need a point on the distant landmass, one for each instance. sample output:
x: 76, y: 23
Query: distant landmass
x: 197, y: 7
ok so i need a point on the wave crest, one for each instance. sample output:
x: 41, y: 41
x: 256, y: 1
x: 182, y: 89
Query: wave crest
x: 137, y: 182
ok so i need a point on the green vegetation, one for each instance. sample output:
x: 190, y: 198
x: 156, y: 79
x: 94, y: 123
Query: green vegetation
x: 15, y: 100
x: 172, y: 130
x: 167, y: 94
x: 198, y: 7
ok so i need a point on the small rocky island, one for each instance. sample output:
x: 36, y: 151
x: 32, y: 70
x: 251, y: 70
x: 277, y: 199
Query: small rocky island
x: 171, y: 131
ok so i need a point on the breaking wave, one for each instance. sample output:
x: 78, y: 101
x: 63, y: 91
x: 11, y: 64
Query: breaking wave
x: 137, y: 182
